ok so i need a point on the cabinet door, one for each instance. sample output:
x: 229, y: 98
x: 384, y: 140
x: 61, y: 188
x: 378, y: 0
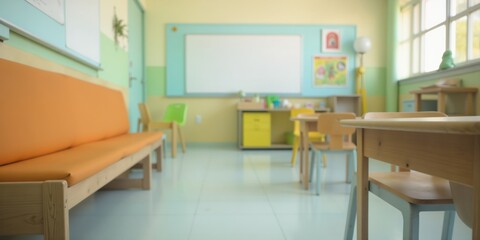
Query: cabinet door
x: 256, y: 130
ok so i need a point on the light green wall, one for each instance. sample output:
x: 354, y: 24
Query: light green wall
x: 156, y: 79
x: 375, y: 81
x: 27, y: 45
x: 114, y: 62
x: 391, y: 85
x: 468, y: 80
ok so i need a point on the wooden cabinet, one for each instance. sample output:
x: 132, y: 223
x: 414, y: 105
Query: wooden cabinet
x: 344, y: 103
x: 256, y: 129
x: 265, y: 128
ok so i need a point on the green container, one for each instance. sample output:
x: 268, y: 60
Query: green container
x: 289, y: 138
x: 271, y: 99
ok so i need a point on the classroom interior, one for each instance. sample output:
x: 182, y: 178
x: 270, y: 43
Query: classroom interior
x: 219, y: 188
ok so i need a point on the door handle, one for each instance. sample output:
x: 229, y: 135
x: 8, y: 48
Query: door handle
x: 130, y: 79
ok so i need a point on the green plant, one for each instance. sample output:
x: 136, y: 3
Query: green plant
x: 119, y: 28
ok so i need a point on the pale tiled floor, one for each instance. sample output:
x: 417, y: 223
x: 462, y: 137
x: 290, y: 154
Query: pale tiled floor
x: 221, y: 193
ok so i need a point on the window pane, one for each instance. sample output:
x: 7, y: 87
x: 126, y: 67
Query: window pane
x: 404, y: 60
x: 474, y: 2
x: 459, y: 39
x: 434, y: 46
x: 457, y: 6
x: 476, y: 34
x: 416, y: 56
x: 416, y: 18
x: 405, y: 17
x: 435, y: 12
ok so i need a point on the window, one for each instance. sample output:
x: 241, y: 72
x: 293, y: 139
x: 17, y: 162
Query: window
x: 429, y: 27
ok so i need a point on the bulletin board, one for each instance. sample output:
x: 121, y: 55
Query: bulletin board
x: 223, y: 59
x: 71, y: 27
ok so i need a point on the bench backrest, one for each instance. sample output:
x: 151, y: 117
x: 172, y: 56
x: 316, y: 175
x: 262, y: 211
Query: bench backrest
x: 43, y: 112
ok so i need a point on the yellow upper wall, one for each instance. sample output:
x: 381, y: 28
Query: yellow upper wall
x: 368, y: 15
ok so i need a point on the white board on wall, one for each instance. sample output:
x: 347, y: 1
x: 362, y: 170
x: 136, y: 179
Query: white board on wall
x: 82, y: 28
x: 249, y: 63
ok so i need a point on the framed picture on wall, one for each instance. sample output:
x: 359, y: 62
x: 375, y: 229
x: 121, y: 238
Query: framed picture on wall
x: 330, y: 71
x: 331, y: 40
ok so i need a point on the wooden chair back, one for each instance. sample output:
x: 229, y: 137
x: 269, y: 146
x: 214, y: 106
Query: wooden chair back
x: 176, y: 112
x: 295, y: 112
x: 337, y: 135
x: 144, y: 116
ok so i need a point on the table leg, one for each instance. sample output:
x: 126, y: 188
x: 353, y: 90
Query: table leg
x: 441, y: 102
x: 418, y: 102
x: 174, y: 139
x: 476, y: 191
x: 362, y: 188
x: 305, y: 158
x: 300, y: 153
x: 469, y: 104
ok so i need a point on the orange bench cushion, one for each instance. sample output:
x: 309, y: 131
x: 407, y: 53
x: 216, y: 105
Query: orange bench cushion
x: 79, y: 163
x: 44, y: 112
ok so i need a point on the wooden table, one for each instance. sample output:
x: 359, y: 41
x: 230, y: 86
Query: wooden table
x: 447, y: 147
x: 308, y: 123
x: 442, y: 92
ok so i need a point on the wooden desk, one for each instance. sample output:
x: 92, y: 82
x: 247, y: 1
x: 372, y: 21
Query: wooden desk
x: 308, y: 123
x: 442, y: 92
x: 447, y: 147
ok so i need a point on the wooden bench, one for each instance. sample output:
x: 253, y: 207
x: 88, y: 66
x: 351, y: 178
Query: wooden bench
x: 61, y: 140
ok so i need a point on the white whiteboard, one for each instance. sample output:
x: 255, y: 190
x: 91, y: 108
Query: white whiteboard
x: 53, y: 9
x: 249, y: 63
x: 82, y: 27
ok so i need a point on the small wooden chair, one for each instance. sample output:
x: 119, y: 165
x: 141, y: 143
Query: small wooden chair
x: 312, y: 136
x: 174, y: 117
x: 409, y: 191
x: 338, y: 138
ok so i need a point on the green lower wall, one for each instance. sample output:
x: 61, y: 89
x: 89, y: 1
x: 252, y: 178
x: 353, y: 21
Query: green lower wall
x: 374, y: 80
x: 29, y: 46
x: 156, y: 79
x: 468, y: 80
x: 114, y: 62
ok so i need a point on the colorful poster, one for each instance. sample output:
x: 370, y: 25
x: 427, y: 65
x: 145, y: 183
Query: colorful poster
x: 330, y: 71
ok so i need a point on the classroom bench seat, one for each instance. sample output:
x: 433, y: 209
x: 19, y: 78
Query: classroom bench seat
x: 61, y: 140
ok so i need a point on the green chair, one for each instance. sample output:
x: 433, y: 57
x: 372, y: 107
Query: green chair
x: 174, y: 117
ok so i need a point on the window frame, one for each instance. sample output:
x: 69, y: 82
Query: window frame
x: 469, y: 65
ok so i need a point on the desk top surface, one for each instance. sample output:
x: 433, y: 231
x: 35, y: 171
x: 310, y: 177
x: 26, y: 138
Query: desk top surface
x: 469, y: 125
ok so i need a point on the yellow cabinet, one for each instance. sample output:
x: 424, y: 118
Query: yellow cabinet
x: 256, y: 129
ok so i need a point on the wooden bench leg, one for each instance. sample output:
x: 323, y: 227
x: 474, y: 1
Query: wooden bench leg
x: 55, y: 212
x: 147, y: 172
